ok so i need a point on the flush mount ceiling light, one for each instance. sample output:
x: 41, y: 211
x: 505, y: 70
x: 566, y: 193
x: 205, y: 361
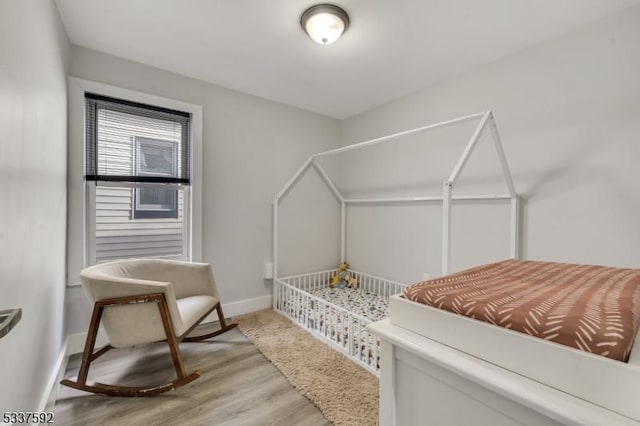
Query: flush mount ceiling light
x: 324, y: 23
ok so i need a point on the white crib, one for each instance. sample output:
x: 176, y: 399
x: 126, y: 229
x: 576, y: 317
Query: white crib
x: 344, y: 330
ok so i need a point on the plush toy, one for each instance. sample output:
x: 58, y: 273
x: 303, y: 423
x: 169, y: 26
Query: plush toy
x: 343, y: 279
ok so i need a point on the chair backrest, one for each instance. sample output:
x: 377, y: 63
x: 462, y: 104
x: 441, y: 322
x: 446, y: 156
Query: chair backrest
x: 131, y: 278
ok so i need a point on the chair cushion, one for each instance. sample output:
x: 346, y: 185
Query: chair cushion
x: 192, y: 309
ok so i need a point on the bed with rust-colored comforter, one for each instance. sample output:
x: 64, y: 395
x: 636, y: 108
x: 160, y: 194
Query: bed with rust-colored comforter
x: 592, y: 308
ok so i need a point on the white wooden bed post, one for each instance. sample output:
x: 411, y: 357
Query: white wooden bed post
x: 340, y: 199
x: 515, y: 227
x: 448, y: 188
x: 276, y: 201
x: 515, y: 200
x: 446, y: 226
x: 274, y: 248
x: 274, y: 251
x: 343, y: 231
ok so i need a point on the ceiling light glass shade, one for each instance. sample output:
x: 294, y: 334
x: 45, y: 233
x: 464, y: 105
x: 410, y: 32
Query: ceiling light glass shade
x: 324, y: 23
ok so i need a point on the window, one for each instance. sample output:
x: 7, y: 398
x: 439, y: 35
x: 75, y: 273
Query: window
x: 155, y: 157
x: 137, y: 173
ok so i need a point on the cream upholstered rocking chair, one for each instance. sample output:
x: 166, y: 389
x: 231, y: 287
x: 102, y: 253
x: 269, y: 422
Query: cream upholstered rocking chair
x: 142, y: 301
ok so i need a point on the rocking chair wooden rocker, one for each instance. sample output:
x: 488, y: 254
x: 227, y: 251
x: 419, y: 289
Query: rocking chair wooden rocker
x: 143, y: 301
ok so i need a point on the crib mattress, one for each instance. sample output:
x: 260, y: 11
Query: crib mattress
x: 372, y: 306
x: 592, y: 308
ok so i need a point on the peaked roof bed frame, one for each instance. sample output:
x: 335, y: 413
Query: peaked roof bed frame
x: 486, y: 120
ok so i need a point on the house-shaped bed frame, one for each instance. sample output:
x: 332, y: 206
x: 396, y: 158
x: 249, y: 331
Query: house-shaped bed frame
x: 297, y: 296
x: 486, y: 120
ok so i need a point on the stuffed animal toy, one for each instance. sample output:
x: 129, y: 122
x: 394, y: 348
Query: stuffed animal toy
x: 343, y: 279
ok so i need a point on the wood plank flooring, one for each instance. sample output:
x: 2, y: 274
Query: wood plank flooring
x: 239, y: 387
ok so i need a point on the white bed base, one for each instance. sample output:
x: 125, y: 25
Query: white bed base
x: 500, y: 376
x: 340, y: 328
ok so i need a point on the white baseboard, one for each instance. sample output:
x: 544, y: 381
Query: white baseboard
x: 48, y: 399
x: 242, y: 307
x: 77, y: 341
x: 246, y: 306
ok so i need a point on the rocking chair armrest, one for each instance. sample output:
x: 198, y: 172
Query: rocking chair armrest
x: 99, y: 288
x: 188, y: 278
x: 132, y: 300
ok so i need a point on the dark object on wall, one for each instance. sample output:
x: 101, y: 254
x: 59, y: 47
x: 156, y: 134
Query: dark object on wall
x: 8, y: 319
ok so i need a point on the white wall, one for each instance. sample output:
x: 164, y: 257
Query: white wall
x: 251, y: 147
x: 33, y: 119
x: 569, y: 114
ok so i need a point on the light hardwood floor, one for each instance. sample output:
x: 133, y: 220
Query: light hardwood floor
x: 239, y: 387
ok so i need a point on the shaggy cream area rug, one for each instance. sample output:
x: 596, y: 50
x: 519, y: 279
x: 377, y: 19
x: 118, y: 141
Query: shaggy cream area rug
x: 345, y: 393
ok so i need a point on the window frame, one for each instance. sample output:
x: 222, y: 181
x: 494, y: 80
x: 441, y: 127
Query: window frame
x: 81, y: 212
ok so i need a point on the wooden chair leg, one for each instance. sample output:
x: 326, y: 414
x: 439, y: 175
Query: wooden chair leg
x: 224, y: 327
x: 114, y: 390
x: 87, y: 355
x: 171, y: 339
x: 223, y: 322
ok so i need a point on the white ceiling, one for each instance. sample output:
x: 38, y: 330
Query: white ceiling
x: 392, y: 48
